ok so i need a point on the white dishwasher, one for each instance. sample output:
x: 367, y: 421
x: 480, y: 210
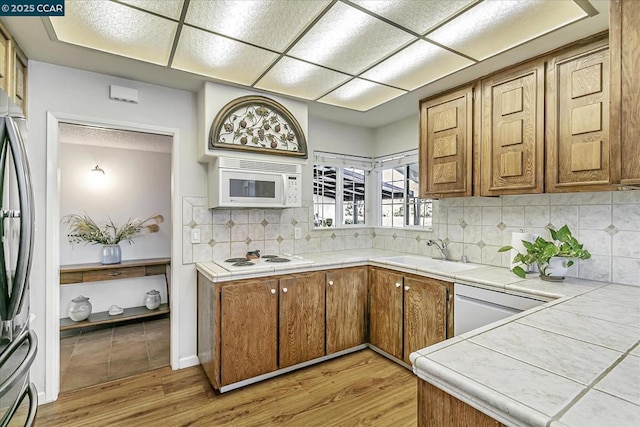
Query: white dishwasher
x: 475, y: 307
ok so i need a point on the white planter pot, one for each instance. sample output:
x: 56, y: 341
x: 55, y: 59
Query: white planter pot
x: 558, y: 267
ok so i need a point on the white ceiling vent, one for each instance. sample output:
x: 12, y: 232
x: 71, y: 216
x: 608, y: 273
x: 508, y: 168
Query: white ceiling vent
x: 121, y: 93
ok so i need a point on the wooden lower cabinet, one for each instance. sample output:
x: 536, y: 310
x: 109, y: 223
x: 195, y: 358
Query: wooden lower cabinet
x: 248, y: 329
x: 346, y: 308
x: 408, y: 312
x: 439, y: 409
x: 385, y: 311
x: 302, y: 318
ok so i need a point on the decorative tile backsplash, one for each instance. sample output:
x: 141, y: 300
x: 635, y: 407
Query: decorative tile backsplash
x: 608, y: 223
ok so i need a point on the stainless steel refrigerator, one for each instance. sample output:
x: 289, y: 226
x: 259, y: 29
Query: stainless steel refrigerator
x: 18, y: 343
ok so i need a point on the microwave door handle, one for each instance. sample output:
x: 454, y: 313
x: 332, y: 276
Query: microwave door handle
x: 25, y: 195
x: 285, y: 189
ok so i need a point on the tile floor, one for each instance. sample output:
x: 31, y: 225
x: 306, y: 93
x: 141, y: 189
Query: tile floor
x: 90, y: 356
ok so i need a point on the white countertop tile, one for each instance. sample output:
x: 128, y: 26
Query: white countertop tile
x: 624, y: 380
x: 596, y: 331
x: 494, y: 276
x: 616, y: 313
x: 617, y: 294
x: 547, y: 350
x: 597, y: 409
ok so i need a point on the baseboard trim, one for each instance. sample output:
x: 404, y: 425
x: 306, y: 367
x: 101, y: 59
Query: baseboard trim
x: 388, y: 356
x: 187, y: 362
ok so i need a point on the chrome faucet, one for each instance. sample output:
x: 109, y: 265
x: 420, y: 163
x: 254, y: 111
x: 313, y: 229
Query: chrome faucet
x: 442, y: 247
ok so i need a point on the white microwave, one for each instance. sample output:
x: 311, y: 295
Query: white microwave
x: 240, y: 183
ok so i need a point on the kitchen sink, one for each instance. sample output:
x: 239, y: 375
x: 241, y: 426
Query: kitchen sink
x: 422, y: 262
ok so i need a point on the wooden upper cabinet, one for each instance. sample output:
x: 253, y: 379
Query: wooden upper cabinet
x: 385, y: 311
x: 346, y: 308
x: 577, y: 111
x: 18, y: 90
x: 248, y: 329
x: 5, y: 62
x: 512, y: 134
x: 446, y: 137
x: 302, y: 318
x: 624, y: 34
x: 425, y: 313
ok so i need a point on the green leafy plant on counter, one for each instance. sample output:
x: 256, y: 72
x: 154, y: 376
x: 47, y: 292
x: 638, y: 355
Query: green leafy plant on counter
x: 541, y: 251
x: 84, y: 229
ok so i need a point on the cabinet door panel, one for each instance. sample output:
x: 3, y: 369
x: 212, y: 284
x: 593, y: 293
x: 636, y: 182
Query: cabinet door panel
x: 249, y: 326
x: 425, y: 313
x: 512, y: 131
x: 385, y: 311
x: 302, y: 318
x: 446, y: 129
x: 578, y: 120
x: 346, y: 308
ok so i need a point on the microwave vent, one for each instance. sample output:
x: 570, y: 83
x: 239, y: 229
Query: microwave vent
x: 257, y: 166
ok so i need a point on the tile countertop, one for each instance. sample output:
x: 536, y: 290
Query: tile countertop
x: 573, y: 361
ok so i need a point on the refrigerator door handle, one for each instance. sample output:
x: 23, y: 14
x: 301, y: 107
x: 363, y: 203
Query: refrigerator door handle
x: 26, y: 363
x: 25, y: 194
x: 28, y: 390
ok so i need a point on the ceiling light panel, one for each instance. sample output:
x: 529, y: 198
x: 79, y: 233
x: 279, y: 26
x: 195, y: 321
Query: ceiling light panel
x: 416, y: 65
x: 117, y: 29
x: 210, y: 55
x: 294, y: 77
x: 418, y: 16
x: 169, y: 8
x: 494, y: 26
x: 361, y: 95
x: 349, y: 40
x: 272, y: 24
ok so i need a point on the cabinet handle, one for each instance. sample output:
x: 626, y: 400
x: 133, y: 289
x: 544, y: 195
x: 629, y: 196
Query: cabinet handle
x: 273, y: 291
x: 284, y: 290
x: 398, y: 285
x: 406, y: 288
x: 330, y: 282
x: 115, y: 273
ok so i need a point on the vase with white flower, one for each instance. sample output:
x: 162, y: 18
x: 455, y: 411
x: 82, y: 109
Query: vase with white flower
x: 84, y: 229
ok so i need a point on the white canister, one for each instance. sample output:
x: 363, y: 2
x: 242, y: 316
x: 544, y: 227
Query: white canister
x: 80, y: 309
x: 152, y: 300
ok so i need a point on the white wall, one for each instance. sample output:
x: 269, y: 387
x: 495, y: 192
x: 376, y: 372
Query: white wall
x: 399, y: 136
x: 66, y: 91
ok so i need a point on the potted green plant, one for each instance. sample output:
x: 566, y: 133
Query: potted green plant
x: 84, y: 229
x: 553, y: 258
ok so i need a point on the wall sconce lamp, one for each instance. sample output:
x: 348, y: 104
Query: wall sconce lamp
x: 98, y: 169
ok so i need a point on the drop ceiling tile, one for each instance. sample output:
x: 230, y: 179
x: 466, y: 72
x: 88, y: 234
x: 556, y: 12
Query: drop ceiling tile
x: 168, y: 8
x: 418, y: 16
x: 349, y: 40
x: 117, y: 29
x: 294, y: 77
x: 361, y: 95
x: 416, y: 65
x: 204, y: 53
x: 272, y: 24
x: 494, y: 26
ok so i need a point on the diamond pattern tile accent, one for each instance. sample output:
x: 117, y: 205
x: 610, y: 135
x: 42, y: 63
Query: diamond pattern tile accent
x: 247, y: 240
x: 395, y: 236
x: 374, y: 234
x: 294, y: 222
x: 192, y: 224
x: 264, y: 222
x: 212, y: 243
x: 230, y: 224
x: 611, y: 229
x: 501, y: 226
x: 307, y: 238
x: 463, y: 224
x: 446, y: 241
x: 356, y: 234
x: 333, y: 235
x: 481, y: 244
x: 279, y: 239
x: 418, y: 239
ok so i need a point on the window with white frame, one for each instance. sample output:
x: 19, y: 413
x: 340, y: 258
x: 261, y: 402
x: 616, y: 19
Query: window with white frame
x: 398, y: 192
x: 339, y: 184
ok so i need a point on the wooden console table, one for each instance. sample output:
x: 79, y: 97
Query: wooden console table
x: 96, y: 272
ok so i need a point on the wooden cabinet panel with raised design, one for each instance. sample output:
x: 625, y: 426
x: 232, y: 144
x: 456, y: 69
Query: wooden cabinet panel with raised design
x: 512, y: 134
x: 248, y: 329
x: 624, y: 36
x: 346, y: 308
x: 425, y: 313
x: 577, y: 113
x: 385, y: 311
x: 5, y: 62
x: 446, y: 136
x: 302, y: 318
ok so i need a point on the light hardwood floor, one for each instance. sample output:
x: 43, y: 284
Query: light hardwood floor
x: 360, y: 389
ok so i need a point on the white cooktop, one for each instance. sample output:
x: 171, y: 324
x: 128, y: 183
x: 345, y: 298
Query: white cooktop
x: 262, y: 264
